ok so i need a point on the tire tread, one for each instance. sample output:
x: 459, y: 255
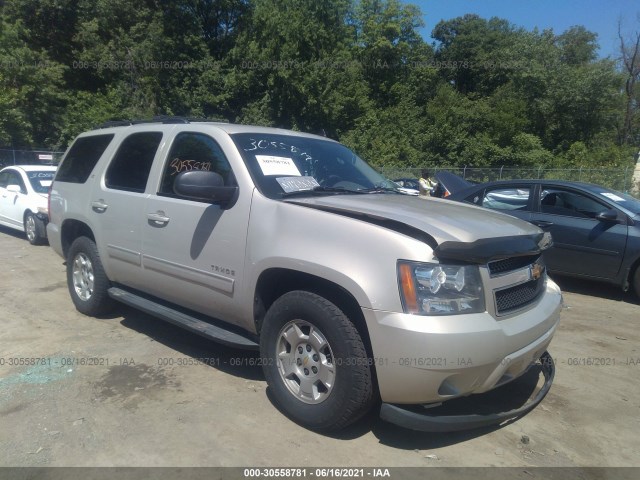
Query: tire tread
x: 361, y: 397
x: 100, y: 302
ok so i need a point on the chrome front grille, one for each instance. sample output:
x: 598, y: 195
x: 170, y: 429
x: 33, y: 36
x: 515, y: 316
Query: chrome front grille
x: 516, y: 282
x: 511, y: 264
x: 517, y: 297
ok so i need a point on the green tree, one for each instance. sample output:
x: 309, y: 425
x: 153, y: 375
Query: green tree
x: 472, y: 52
x: 292, y: 68
x: 387, y: 44
x: 33, y: 97
x: 577, y: 45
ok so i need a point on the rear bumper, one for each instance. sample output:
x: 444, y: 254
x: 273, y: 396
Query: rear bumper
x: 425, y: 422
x: 55, y: 241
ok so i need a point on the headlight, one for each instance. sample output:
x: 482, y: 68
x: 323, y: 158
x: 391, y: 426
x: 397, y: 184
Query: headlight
x: 437, y: 289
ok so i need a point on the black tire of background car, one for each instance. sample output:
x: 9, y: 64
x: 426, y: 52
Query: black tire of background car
x: 99, y: 303
x: 352, y: 393
x: 40, y: 231
x: 636, y: 281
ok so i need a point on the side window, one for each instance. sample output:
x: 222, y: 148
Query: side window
x: 558, y: 201
x: 506, y: 198
x: 85, y: 152
x: 194, y: 151
x: 130, y: 167
x: 16, y: 179
x: 4, y: 179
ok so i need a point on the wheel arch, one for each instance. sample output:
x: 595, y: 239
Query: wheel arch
x: 275, y: 282
x: 72, y: 229
x: 633, y: 268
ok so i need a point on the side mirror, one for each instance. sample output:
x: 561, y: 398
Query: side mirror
x: 607, y: 216
x: 14, y: 188
x: 205, y: 187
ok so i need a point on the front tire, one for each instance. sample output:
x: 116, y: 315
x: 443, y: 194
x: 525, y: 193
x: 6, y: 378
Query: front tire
x: 315, y: 362
x: 34, y: 229
x: 87, y: 281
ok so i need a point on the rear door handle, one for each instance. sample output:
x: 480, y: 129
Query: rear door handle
x: 99, y: 206
x: 158, y: 218
x: 542, y: 223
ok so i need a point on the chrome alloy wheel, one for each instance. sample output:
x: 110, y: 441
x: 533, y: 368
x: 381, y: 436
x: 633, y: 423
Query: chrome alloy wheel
x: 305, y: 361
x: 30, y: 228
x: 83, y: 278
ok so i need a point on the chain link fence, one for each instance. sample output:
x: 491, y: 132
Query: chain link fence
x: 621, y: 179
x: 10, y: 156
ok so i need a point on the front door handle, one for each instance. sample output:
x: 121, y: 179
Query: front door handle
x: 158, y: 218
x: 542, y: 223
x: 99, y: 206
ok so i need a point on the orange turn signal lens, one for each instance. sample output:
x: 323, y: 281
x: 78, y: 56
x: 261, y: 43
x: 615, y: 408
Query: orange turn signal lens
x: 408, y: 288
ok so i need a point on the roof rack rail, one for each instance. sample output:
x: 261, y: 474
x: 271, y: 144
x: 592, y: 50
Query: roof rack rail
x: 206, y: 120
x: 166, y: 119
x: 161, y: 119
x: 114, y: 123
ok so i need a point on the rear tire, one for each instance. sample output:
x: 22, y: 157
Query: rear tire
x: 87, y: 281
x: 636, y: 281
x: 34, y: 229
x: 315, y: 362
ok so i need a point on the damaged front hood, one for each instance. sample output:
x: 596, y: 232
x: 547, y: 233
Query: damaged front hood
x: 454, y: 230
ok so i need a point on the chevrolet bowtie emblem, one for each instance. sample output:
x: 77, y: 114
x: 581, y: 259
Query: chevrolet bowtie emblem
x: 536, y: 271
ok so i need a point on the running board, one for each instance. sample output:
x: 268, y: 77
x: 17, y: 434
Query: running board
x: 183, y: 320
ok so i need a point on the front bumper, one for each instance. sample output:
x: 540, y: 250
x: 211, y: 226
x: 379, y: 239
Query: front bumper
x: 427, y: 360
x: 426, y: 422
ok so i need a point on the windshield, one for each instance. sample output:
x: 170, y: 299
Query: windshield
x: 623, y: 200
x: 41, y: 181
x: 283, y: 165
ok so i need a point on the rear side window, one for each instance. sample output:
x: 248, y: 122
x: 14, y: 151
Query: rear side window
x: 129, y: 169
x: 510, y: 198
x: 82, y: 157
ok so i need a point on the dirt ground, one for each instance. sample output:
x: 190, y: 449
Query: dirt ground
x: 130, y: 391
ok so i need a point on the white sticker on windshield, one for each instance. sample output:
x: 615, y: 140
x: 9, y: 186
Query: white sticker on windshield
x: 612, y: 196
x: 297, y: 184
x: 46, y: 183
x: 271, y: 165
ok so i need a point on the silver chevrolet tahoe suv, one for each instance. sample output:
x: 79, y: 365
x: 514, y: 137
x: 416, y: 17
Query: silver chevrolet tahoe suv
x: 289, y: 243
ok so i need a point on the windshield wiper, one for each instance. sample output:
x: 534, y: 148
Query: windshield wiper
x: 322, y: 190
x: 380, y: 190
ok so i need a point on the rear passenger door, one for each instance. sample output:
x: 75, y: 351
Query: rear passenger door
x: 117, y: 205
x: 193, y: 252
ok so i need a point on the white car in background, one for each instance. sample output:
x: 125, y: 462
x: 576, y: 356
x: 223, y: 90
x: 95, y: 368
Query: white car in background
x: 23, y: 199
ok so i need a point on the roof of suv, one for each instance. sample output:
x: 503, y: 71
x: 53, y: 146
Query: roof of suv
x: 229, y: 128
